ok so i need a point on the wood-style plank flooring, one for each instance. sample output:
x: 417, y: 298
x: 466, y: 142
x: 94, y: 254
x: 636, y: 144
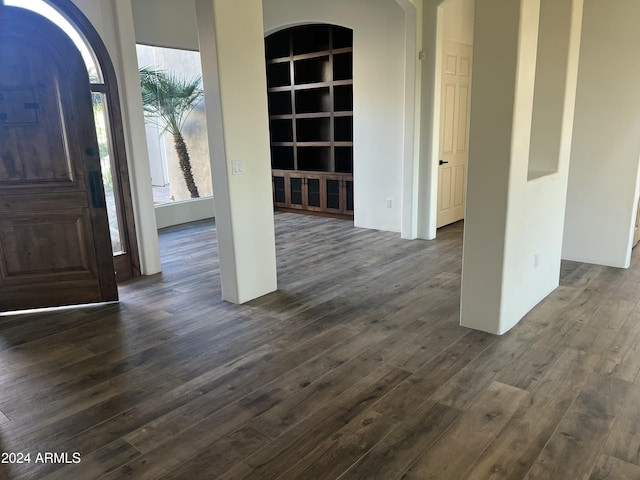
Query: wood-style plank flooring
x: 355, y: 369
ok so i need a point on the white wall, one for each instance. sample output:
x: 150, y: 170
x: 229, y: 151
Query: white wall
x: 458, y: 20
x: 509, y: 219
x: 379, y: 85
x: 602, y: 196
x: 166, y: 23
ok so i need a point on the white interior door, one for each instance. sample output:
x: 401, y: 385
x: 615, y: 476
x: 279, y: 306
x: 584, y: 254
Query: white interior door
x: 454, y: 131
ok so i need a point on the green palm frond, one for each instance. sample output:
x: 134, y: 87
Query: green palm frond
x: 169, y: 97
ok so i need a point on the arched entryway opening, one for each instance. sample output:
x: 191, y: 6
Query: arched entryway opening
x: 310, y: 93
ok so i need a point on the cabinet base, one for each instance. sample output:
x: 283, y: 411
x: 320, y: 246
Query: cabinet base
x: 311, y: 212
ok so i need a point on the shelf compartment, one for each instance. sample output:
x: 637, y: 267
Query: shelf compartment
x: 343, y: 66
x: 277, y: 45
x: 344, y: 159
x: 342, y: 37
x: 280, y: 103
x: 313, y: 129
x: 312, y: 101
x: 281, y: 131
x: 316, y: 159
x: 310, y: 38
x: 311, y: 70
x: 278, y: 75
x: 343, y: 129
x: 282, y: 158
x: 343, y: 97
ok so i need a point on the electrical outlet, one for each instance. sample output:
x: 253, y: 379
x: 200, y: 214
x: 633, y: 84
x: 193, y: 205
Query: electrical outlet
x: 388, y: 203
x: 536, y: 261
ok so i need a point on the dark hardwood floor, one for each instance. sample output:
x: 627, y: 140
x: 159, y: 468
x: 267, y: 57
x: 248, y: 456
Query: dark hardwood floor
x: 355, y: 369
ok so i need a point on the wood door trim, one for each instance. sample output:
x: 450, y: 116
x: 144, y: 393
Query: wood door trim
x: 110, y: 88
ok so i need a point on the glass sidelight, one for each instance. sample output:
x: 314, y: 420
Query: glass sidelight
x: 108, y: 167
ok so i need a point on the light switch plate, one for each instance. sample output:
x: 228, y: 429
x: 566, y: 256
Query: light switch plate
x: 237, y: 168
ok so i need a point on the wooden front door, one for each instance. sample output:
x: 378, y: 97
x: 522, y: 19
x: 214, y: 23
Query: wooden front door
x: 454, y: 123
x: 54, y: 235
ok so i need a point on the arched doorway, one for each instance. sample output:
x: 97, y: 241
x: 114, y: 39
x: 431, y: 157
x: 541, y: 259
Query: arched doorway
x: 310, y: 93
x: 108, y: 121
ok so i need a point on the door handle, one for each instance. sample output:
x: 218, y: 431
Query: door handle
x: 442, y: 162
x: 95, y: 184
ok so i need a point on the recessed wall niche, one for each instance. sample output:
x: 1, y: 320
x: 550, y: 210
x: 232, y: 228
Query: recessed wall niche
x: 310, y: 91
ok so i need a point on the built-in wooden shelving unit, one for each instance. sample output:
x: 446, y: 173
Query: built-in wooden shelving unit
x: 310, y: 92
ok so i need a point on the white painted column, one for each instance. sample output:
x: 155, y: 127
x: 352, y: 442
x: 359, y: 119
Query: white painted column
x: 429, y: 111
x: 525, y: 75
x: 411, y: 144
x: 233, y: 68
x: 135, y: 138
x: 491, y: 125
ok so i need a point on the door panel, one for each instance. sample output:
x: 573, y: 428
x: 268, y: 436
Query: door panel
x: 336, y: 195
x: 279, y: 190
x: 295, y: 189
x: 454, y: 128
x: 333, y: 200
x: 55, y: 246
x: 348, y: 191
x: 36, y: 248
x: 463, y: 116
x: 458, y: 189
x: 313, y: 193
x: 444, y: 190
x: 449, y: 105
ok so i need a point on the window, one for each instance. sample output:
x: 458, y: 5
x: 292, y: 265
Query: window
x: 167, y: 174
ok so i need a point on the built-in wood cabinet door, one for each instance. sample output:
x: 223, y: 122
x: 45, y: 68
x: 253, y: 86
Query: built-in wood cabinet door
x: 339, y: 194
x: 348, y: 196
x: 280, y: 190
x: 296, y: 191
x: 334, y: 194
x: 313, y: 193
